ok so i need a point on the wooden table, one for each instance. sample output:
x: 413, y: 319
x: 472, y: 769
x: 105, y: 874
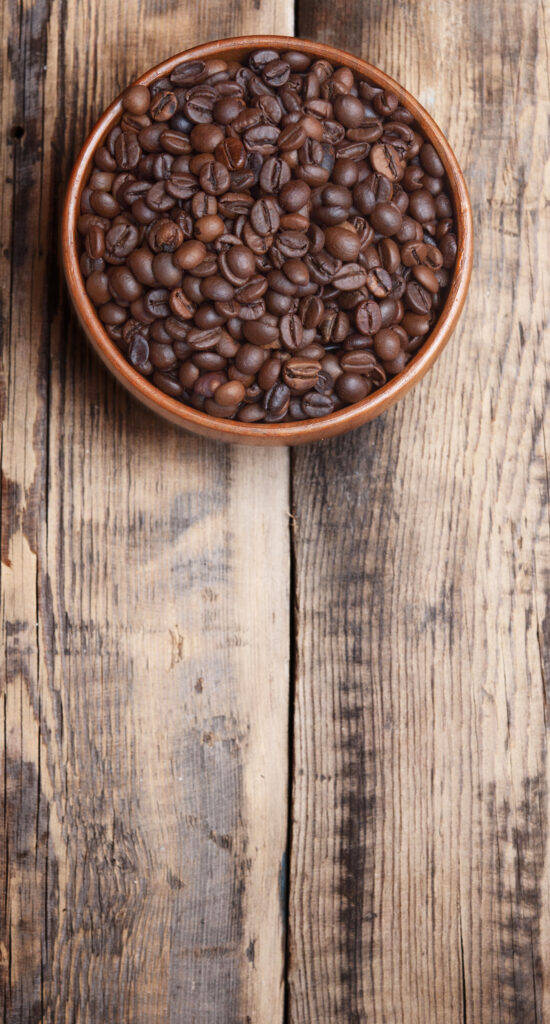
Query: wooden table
x: 275, y: 724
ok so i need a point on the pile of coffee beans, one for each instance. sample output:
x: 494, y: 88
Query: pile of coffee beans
x: 267, y: 241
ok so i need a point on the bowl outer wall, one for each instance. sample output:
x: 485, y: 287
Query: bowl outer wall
x: 300, y: 432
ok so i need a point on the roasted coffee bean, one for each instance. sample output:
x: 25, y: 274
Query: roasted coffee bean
x: 342, y: 243
x: 214, y: 178
x: 301, y: 374
x: 266, y: 241
x: 292, y: 332
x: 368, y: 317
x: 349, y: 277
x: 164, y: 236
x: 276, y: 402
x: 208, y: 228
x: 136, y: 99
x: 449, y: 248
x: 120, y: 241
x: 315, y: 404
x: 264, y: 216
x: 417, y: 298
x: 97, y: 287
x: 386, y: 218
x: 352, y: 387
x: 379, y: 282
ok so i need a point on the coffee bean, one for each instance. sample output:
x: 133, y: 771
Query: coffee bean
x: 164, y: 236
x: 276, y: 402
x: 342, y: 243
x: 264, y: 216
x: 136, y: 99
x: 208, y: 228
x: 352, y: 387
x: 417, y: 298
x: 368, y: 317
x: 266, y: 241
x: 315, y: 404
x: 349, y: 277
x: 292, y: 332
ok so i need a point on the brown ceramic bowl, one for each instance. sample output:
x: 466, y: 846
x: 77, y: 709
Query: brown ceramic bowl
x: 300, y: 432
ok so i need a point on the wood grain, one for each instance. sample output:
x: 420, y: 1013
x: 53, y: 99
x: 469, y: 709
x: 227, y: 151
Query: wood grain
x: 144, y: 609
x: 419, y: 866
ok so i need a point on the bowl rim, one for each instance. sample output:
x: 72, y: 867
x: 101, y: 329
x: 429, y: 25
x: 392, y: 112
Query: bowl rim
x: 300, y: 431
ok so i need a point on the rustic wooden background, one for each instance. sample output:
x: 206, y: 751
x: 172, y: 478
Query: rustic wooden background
x: 274, y: 726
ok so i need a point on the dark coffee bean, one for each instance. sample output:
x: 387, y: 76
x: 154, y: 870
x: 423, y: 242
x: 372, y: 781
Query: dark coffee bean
x: 315, y: 404
x: 252, y: 290
x: 189, y: 73
x: 180, y: 305
x: 430, y: 161
x: 231, y: 153
x: 227, y: 108
x: 261, y: 139
x: 264, y: 216
x: 276, y: 403
x: 449, y: 248
x: 269, y: 373
x: 422, y: 206
x: 292, y: 332
x: 427, y: 278
x: 415, y: 323
x: 123, y: 285
x: 127, y: 151
x: 417, y: 298
x: 390, y: 255
x: 208, y: 228
x: 138, y: 354
x: 214, y: 178
x: 276, y: 72
x: 97, y: 287
x: 391, y: 312
x: 349, y: 277
x: 162, y: 356
x: 433, y: 257
x: 251, y: 413
x: 250, y: 358
x: 241, y: 262
x: 230, y: 393
x: 311, y: 311
x: 352, y: 387
x: 414, y: 253
x: 368, y: 317
x: 261, y: 332
x: 378, y: 282
x: 136, y: 99
x: 342, y: 243
x: 216, y: 287
x: 120, y: 241
x: 387, y: 344
x: 386, y: 218
x: 163, y: 106
x: 164, y: 236
x: 386, y: 160
x: 301, y: 374
x: 209, y: 382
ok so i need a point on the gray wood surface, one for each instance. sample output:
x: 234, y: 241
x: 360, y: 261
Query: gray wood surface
x: 171, y: 607
x: 145, y: 585
x: 419, y: 868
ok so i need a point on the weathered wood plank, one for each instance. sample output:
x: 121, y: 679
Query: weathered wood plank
x: 419, y: 879
x: 144, y: 607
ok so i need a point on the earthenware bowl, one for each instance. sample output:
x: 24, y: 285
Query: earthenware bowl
x: 303, y: 431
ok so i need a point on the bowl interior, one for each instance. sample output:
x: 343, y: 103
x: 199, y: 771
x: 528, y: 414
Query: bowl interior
x: 276, y: 433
